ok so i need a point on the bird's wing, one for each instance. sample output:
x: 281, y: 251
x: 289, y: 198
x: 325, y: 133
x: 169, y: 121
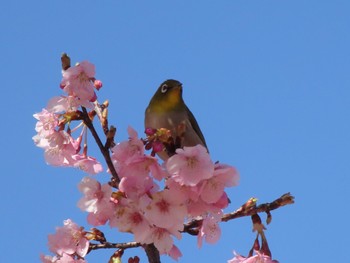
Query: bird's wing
x: 195, y: 126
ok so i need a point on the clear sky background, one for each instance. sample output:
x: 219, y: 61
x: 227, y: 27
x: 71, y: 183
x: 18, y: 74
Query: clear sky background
x: 268, y: 82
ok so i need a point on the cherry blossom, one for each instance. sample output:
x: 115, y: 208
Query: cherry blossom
x: 77, y: 81
x: 210, y: 229
x: 60, y: 149
x: 213, y: 188
x: 96, y: 201
x: 166, y: 210
x: 190, y: 165
x: 129, y: 159
x: 129, y: 151
x: 128, y: 217
x: 136, y: 185
x: 228, y: 174
x: 69, y: 239
x: 87, y: 163
x: 188, y: 193
x: 47, y: 123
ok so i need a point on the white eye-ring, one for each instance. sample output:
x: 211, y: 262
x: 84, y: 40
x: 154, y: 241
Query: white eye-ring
x: 164, y: 88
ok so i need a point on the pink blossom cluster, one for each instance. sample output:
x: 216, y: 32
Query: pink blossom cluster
x: 257, y: 258
x: 69, y: 244
x: 79, y: 81
x: 193, y: 187
x: 60, y: 148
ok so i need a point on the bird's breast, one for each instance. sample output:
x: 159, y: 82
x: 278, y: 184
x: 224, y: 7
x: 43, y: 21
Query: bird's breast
x: 168, y: 120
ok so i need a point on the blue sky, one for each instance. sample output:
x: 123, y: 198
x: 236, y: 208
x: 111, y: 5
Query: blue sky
x: 268, y: 82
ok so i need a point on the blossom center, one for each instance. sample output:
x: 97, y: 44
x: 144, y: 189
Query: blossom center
x: 191, y: 162
x: 136, y: 218
x: 163, y: 206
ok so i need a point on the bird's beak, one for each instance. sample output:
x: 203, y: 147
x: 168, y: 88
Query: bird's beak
x: 179, y: 86
x: 178, y: 89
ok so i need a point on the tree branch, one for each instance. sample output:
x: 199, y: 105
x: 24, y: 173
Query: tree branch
x: 247, y: 209
x: 286, y: 199
x: 114, y: 245
x: 104, y: 150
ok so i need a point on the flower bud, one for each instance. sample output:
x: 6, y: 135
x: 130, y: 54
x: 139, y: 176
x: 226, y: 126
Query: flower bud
x: 157, y: 146
x: 98, y: 84
x: 150, y: 131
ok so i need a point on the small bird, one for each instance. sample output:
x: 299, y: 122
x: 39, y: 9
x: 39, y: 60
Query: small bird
x: 168, y: 110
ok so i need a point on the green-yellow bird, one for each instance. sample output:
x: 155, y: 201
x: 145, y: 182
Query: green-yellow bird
x: 168, y: 110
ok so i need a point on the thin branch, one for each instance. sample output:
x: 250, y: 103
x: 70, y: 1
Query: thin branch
x: 114, y: 245
x: 103, y: 149
x: 244, y: 210
x: 286, y: 199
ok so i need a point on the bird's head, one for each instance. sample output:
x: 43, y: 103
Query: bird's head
x: 168, y: 97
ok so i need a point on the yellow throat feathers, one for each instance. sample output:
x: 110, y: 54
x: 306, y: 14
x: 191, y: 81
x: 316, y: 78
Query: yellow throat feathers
x: 171, y: 101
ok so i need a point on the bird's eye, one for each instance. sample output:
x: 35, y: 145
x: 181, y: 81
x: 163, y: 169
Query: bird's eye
x: 164, y: 88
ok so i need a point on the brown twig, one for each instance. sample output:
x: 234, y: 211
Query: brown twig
x: 244, y: 210
x: 110, y: 137
x: 65, y: 61
x: 286, y: 199
x: 114, y: 245
x: 104, y: 150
